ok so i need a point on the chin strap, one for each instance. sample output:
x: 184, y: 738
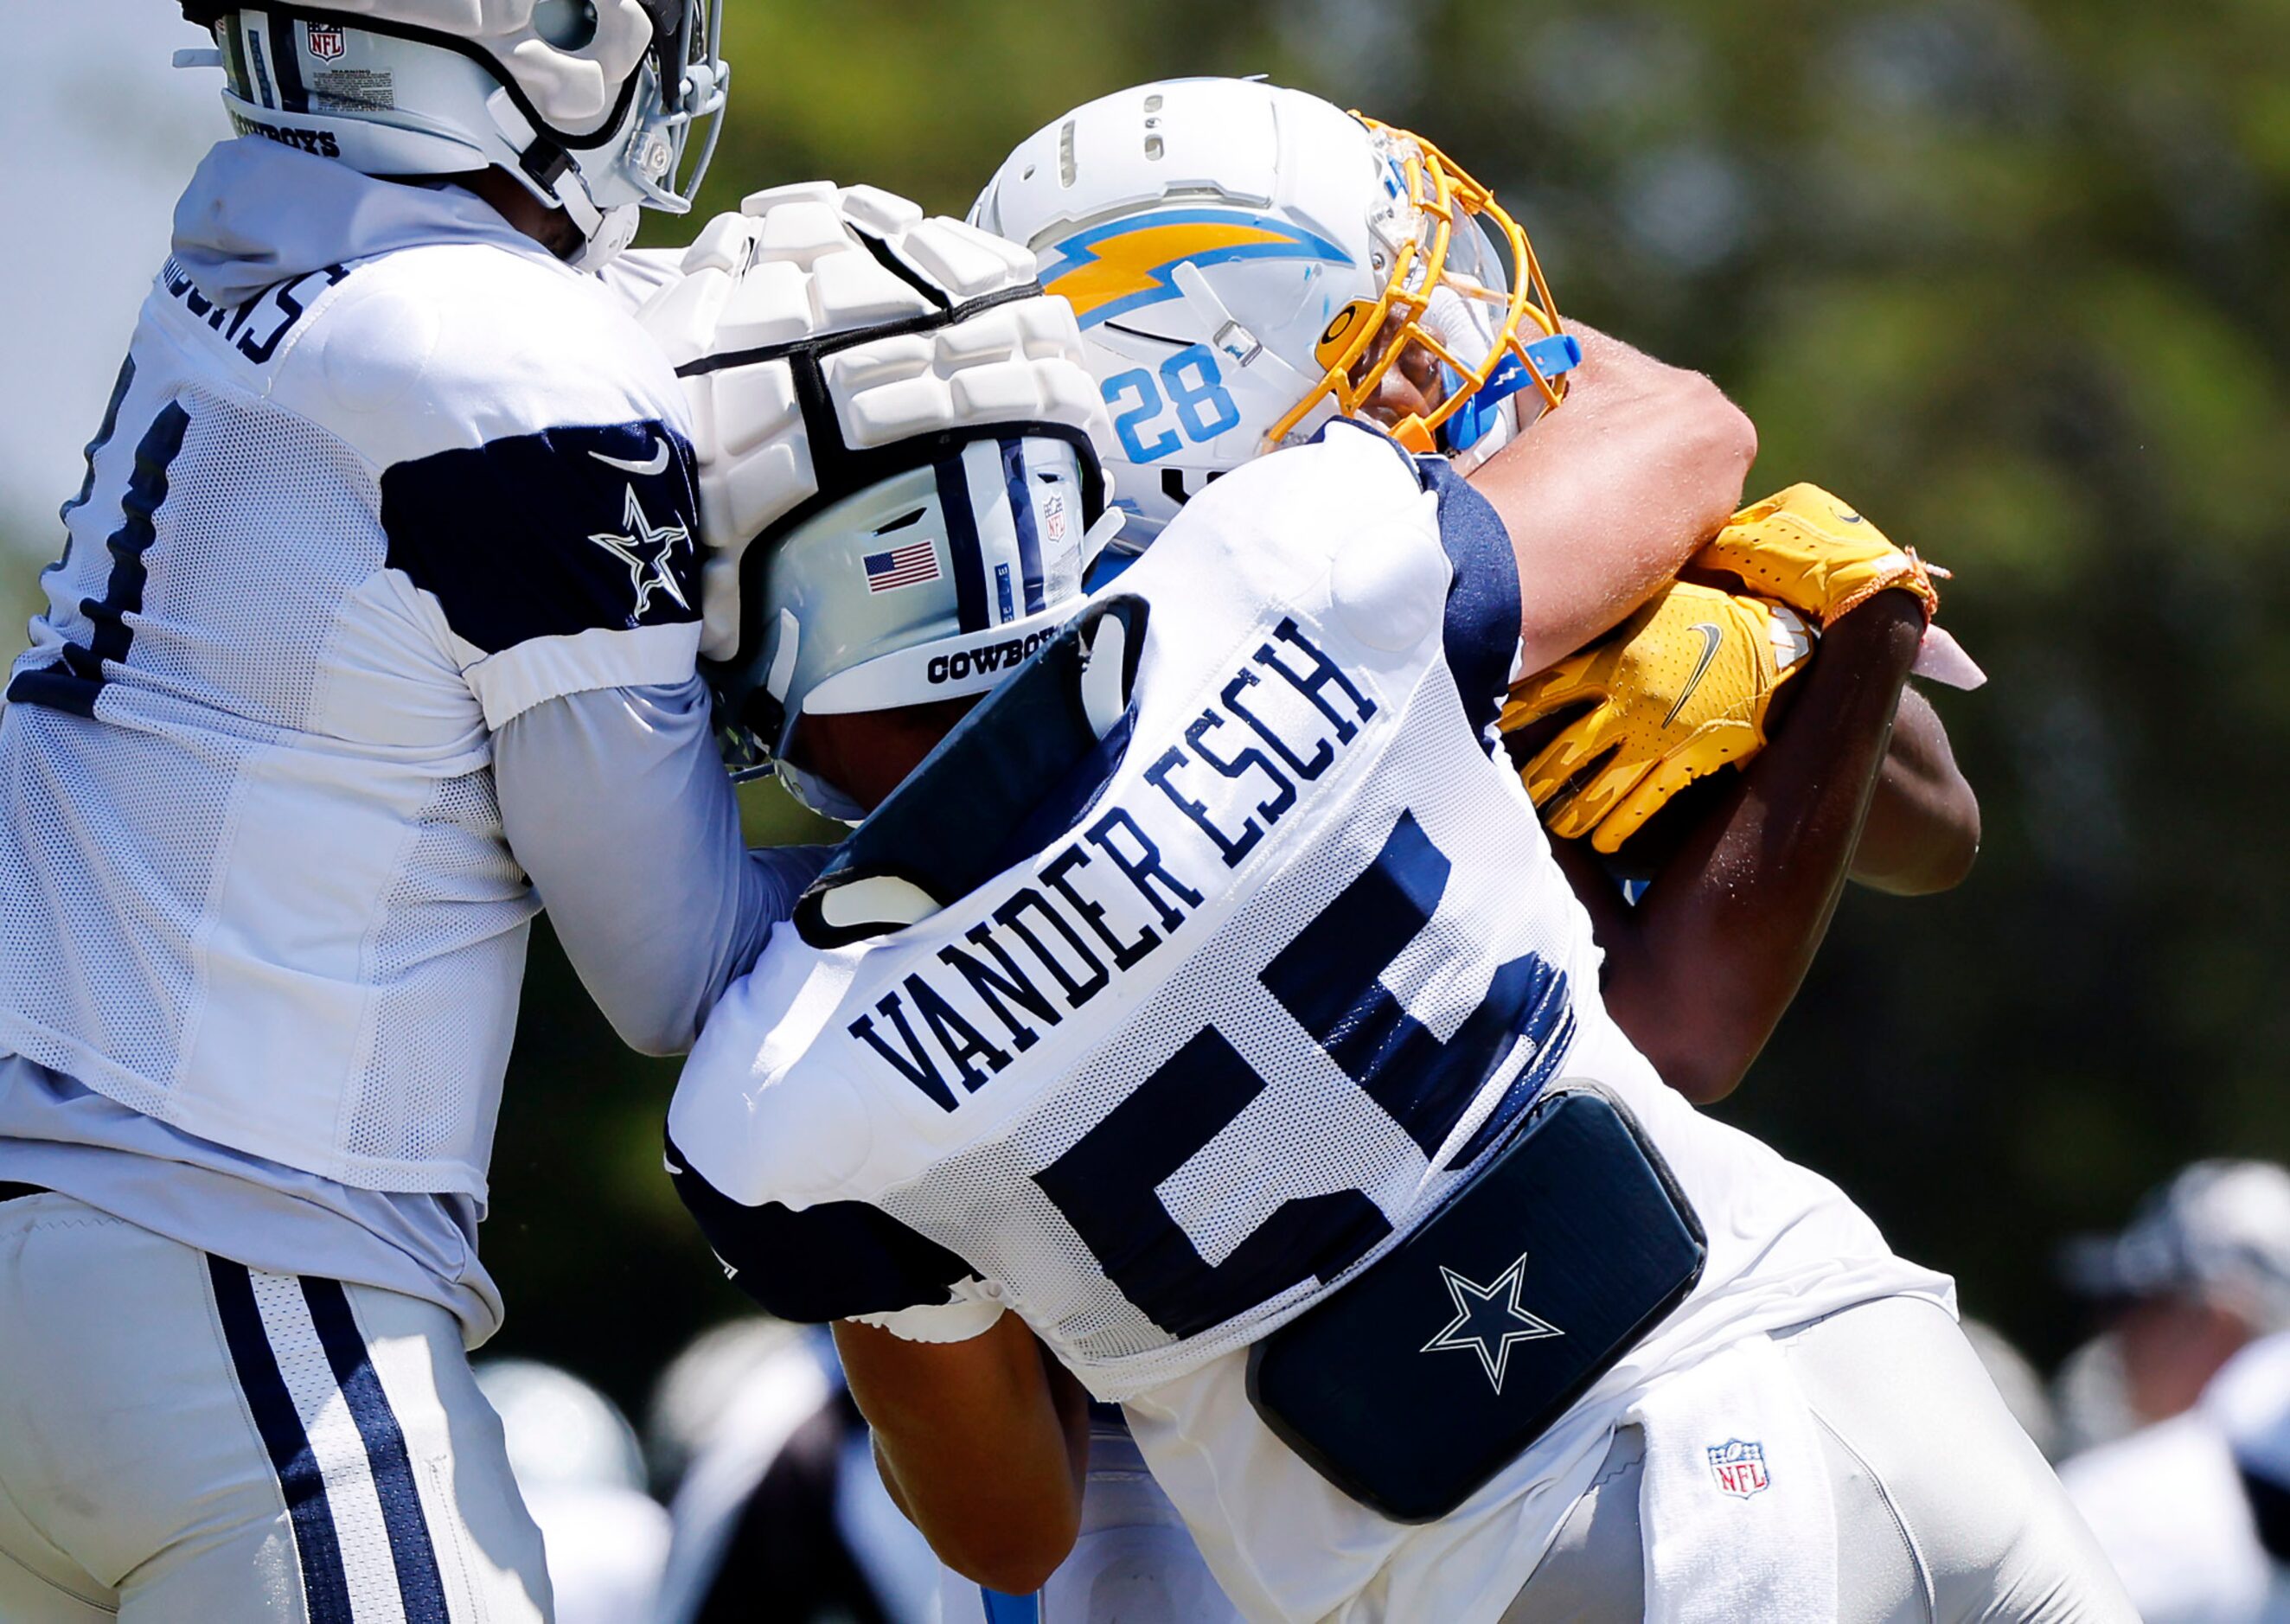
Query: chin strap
x: 611, y: 239
x: 1102, y: 535
x: 550, y: 173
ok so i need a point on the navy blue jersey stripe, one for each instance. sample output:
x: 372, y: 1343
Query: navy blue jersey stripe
x: 2270, y: 1509
x: 55, y: 687
x: 826, y: 1263
x: 968, y: 555
x: 419, y: 1587
x: 326, y: 1588
x: 1483, y: 599
x: 1022, y: 515
x: 146, y: 494
x: 551, y: 534
x: 74, y: 680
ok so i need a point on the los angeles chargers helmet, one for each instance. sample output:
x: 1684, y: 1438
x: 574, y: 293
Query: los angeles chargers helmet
x: 1248, y: 262
x: 594, y: 106
x: 901, y: 461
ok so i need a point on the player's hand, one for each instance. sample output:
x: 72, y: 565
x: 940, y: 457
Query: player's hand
x: 1812, y: 552
x: 1680, y: 690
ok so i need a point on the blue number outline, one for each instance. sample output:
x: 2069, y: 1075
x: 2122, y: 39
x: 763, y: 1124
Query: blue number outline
x: 1205, y: 409
x: 1188, y: 397
x: 1148, y: 409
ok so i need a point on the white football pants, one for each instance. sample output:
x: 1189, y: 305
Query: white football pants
x: 185, y: 1439
x: 1945, y: 1512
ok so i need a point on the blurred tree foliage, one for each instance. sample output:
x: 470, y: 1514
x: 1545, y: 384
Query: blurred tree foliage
x: 2010, y: 276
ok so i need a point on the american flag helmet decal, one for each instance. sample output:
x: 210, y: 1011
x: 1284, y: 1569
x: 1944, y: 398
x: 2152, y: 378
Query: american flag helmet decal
x: 910, y: 566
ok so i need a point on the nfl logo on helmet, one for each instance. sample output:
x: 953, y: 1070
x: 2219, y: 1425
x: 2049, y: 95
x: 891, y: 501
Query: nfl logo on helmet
x: 325, y: 42
x: 1739, y: 1468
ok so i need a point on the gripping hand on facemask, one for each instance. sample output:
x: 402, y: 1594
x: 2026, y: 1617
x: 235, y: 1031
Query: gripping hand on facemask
x: 1807, y: 550
x: 1676, y: 692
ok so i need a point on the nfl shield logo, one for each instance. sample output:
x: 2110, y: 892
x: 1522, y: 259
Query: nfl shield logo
x: 325, y: 41
x: 1739, y: 1468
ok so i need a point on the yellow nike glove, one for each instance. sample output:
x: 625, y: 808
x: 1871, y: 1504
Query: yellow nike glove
x: 1676, y: 692
x: 1815, y: 553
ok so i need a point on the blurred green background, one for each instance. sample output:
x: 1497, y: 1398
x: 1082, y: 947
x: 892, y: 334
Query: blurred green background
x: 2009, y: 276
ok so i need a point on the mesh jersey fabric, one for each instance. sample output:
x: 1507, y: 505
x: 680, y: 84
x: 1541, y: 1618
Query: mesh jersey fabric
x: 1311, y: 947
x: 657, y: 930
x: 252, y: 877
x: 1361, y: 907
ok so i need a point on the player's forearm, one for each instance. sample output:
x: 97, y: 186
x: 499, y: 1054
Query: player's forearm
x: 616, y: 803
x: 1607, y: 497
x: 1922, y: 830
x: 983, y: 1449
x: 1700, y: 972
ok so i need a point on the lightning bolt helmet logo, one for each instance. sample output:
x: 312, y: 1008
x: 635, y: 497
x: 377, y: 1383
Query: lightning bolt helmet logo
x: 1123, y: 266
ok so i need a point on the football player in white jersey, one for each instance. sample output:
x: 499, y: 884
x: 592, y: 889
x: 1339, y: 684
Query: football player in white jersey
x: 1238, y: 282
x: 1229, y: 277
x: 375, y: 631
x: 1204, y: 1021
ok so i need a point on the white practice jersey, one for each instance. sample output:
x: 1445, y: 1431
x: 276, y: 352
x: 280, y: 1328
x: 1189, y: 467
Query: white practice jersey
x: 1250, y: 998
x: 252, y: 877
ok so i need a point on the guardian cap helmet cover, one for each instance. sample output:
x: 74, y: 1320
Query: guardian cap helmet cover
x: 899, y: 448
x: 597, y: 107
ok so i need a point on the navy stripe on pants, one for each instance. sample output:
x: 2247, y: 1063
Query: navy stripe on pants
x: 419, y: 1585
x: 326, y: 1588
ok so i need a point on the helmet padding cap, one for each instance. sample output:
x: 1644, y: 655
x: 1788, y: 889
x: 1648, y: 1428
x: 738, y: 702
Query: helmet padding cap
x: 597, y: 107
x: 900, y: 452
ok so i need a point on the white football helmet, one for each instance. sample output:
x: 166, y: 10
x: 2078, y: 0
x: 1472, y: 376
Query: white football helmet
x: 900, y: 444
x: 1248, y: 262
x: 592, y: 104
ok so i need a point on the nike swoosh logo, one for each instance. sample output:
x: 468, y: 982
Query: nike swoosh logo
x: 642, y: 470
x: 1713, y: 640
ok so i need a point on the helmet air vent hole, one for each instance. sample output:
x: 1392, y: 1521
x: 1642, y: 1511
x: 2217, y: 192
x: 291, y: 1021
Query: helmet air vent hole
x: 569, y: 24
x: 1155, y: 148
x: 1154, y: 103
x: 1066, y: 170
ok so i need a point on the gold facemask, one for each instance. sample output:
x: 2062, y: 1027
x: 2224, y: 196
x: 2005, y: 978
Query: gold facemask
x: 1368, y: 337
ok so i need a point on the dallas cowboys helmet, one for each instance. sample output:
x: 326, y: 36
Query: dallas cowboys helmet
x: 593, y: 105
x: 901, y: 476
x: 1248, y: 262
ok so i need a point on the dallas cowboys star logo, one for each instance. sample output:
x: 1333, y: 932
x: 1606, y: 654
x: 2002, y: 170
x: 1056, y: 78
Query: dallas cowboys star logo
x: 650, y: 555
x: 1486, y: 1326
